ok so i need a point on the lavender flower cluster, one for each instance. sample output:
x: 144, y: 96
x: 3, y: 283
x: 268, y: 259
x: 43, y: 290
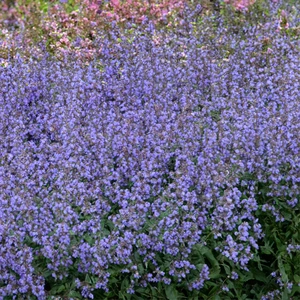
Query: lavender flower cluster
x: 139, y: 157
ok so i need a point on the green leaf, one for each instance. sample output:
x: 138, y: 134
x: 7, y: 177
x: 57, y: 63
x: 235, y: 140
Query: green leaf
x: 125, y: 284
x: 199, y: 267
x: 266, y: 249
x: 227, y: 269
x: 74, y: 295
x: 140, y: 290
x: 171, y: 292
x: 214, y: 273
x: 113, y: 280
x: 296, y: 290
x: 206, y: 252
x: 88, y: 278
x: 153, y: 291
x: 259, y: 275
x: 214, y: 288
x: 287, y: 215
x: 141, y: 268
x: 128, y: 296
x: 247, y: 277
x: 48, y: 273
x: 88, y: 239
x: 259, y: 264
x: 282, y: 270
x: 109, y: 295
x: 281, y: 247
x: 297, y: 278
x: 285, y: 294
x: 58, y: 289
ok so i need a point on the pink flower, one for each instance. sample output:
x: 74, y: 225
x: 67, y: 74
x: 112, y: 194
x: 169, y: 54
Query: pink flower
x: 115, y: 3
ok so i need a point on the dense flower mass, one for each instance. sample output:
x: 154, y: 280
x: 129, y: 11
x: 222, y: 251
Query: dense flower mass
x: 125, y: 165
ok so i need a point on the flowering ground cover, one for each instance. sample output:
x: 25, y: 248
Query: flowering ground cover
x: 164, y: 164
